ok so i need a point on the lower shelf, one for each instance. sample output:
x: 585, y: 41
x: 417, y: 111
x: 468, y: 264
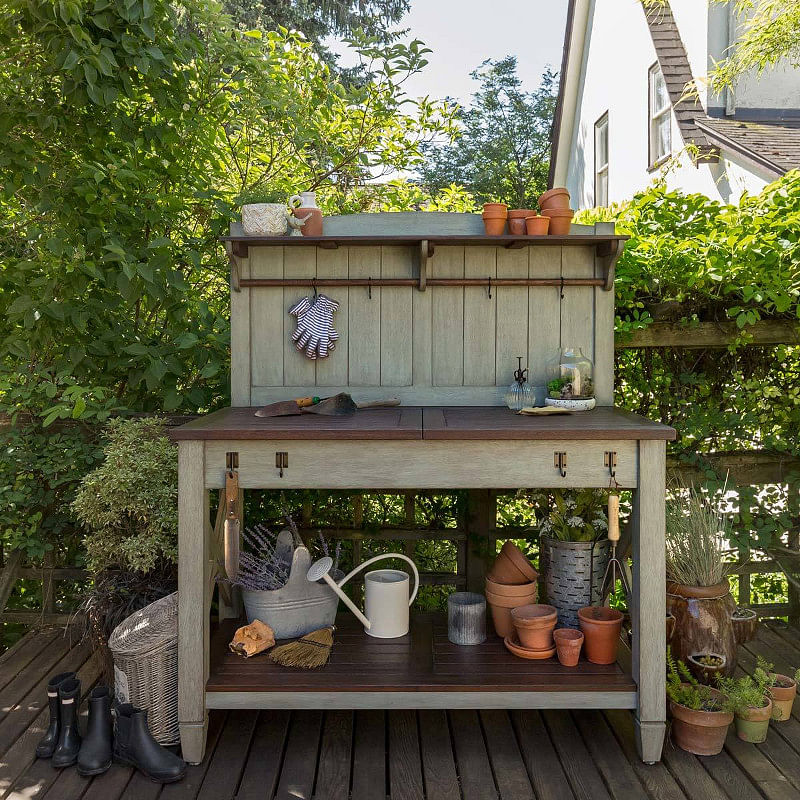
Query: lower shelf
x: 421, y: 670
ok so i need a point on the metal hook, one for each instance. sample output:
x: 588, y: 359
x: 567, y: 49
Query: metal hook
x: 314, y: 286
x: 490, y: 287
x: 369, y: 287
x: 561, y: 290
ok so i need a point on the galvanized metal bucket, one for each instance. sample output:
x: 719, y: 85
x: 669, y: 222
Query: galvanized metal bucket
x: 299, y: 607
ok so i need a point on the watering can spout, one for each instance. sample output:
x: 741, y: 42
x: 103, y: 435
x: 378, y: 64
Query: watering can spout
x: 321, y: 570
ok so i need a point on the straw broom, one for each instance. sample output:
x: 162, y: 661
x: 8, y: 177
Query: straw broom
x: 310, y: 652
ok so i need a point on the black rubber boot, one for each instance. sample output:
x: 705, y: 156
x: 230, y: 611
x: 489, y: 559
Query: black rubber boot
x: 69, y: 737
x: 95, y: 755
x: 135, y: 747
x: 47, y: 744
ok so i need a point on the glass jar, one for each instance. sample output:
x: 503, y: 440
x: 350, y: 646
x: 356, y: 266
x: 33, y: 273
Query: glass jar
x: 572, y: 376
x: 519, y: 394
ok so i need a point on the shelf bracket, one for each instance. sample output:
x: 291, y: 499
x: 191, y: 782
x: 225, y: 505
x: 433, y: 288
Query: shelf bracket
x: 608, y: 253
x: 425, y: 252
x: 235, y: 275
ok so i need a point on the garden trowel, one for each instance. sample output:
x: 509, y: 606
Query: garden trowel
x: 337, y: 406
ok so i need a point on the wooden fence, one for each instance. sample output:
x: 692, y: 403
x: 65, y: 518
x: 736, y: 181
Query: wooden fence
x: 476, y: 531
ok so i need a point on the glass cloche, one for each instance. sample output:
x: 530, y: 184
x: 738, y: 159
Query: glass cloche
x: 519, y: 394
x: 571, y: 382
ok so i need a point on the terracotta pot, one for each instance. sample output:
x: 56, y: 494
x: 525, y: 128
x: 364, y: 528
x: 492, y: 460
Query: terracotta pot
x: 537, y: 226
x: 752, y: 725
x: 700, y: 732
x: 783, y: 698
x: 516, y: 226
x: 706, y: 673
x: 511, y: 589
x: 557, y: 197
x: 744, y: 625
x: 313, y: 224
x: 601, y: 627
x: 560, y: 220
x: 568, y: 646
x: 500, y: 608
x: 534, y: 624
x: 495, y: 207
x: 512, y: 566
x: 670, y: 627
x: 702, y: 622
x: 520, y: 213
x: 494, y: 226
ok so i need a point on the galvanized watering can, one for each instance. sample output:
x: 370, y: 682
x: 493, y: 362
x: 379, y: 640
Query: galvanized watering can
x: 386, y: 594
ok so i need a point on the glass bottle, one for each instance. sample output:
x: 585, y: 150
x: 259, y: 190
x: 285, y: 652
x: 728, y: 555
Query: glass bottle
x: 519, y: 394
x: 572, y: 376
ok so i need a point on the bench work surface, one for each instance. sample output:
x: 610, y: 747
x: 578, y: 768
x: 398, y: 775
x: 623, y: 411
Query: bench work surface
x: 429, y: 422
x: 424, y: 660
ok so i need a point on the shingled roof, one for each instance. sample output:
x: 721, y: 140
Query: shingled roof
x: 773, y: 145
x: 677, y: 74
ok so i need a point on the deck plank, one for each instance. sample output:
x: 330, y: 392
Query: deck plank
x: 333, y: 773
x: 760, y: 770
x: 369, y: 756
x: 300, y: 761
x: 438, y: 763
x: 24, y: 654
x: 110, y: 785
x: 544, y: 768
x: 262, y: 770
x: 472, y: 759
x: 405, y: 763
x: 726, y: 773
x: 508, y: 767
x: 230, y: 755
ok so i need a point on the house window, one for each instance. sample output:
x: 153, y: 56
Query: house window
x: 601, y: 161
x: 660, y: 117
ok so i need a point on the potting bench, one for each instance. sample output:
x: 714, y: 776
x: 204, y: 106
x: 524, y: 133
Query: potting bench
x: 435, y: 316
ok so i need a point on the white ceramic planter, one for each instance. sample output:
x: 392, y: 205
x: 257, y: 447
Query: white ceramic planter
x: 586, y: 404
x: 264, y: 219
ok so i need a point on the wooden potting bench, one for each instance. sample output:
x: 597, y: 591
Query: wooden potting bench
x: 435, y: 316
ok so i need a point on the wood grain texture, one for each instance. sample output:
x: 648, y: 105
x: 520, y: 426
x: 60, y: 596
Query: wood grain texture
x: 267, y: 316
x: 447, y: 331
x: 471, y: 756
x: 577, y: 307
x: 333, y: 772
x: 438, y: 764
x: 505, y: 756
x: 405, y: 766
x: 369, y: 756
x: 544, y: 314
x: 396, y: 312
x: 512, y: 316
x: 333, y: 370
x: 300, y: 763
x: 479, y: 318
x: 364, y: 337
x: 545, y: 770
x: 603, y: 342
x: 298, y: 369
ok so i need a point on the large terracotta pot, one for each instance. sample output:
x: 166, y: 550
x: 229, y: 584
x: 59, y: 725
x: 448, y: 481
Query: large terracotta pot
x: 702, y: 622
x: 601, y: 627
x: 699, y: 732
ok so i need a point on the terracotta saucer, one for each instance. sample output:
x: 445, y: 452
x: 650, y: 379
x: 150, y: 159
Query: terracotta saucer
x: 513, y: 646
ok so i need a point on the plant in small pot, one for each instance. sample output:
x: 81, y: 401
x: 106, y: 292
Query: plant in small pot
x: 264, y: 213
x: 700, y: 714
x: 698, y: 593
x: 706, y: 667
x: 751, y: 703
x: 128, y: 507
x: 574, y: 551
x: 745, y: 624
x: 782, y: 690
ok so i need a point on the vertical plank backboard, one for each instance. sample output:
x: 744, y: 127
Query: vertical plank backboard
x: 298, y: 262
x: 364, y: 347
x: 447, y: 335
x: 266, y: 318
x: 241, y: 360
x: 479, y: 317
x: 512, y: 315
x: 332, y: 371
x: 577, y: 307
x: 396, y: 310
x: 603, y: 342
x: 544, y: 313
x: 422, y: 328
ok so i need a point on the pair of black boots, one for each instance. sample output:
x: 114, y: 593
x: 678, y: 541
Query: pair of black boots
x: 131, y: 743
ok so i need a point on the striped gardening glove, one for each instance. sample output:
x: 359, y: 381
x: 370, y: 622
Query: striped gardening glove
x: 314, y: 332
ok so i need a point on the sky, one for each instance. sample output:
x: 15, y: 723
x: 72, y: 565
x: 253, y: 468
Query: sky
x: 463, y: 33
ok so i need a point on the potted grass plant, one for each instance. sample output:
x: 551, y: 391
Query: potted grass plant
x: 700, y: 714
x: 698, y: 593
x: 751, y: 703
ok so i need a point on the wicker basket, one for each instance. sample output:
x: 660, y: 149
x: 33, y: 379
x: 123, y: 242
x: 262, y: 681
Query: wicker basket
x: 145, y: 651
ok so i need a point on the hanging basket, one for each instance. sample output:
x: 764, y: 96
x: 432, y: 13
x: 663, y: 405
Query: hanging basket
x: 145, y: 651
x: 574, y: 575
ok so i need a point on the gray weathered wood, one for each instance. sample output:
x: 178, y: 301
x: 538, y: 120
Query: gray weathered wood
x: 364, y: 352
x: 396, y: 309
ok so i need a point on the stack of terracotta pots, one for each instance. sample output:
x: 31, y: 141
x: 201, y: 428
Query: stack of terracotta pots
x: 494, y: 218
x: 555, y: 205
x: 510, y: 583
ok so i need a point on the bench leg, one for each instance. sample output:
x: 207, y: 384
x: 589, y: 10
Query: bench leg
x: 193, y: 596
x: 649, y: 601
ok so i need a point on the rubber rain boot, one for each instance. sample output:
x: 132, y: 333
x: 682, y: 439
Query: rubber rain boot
x: 96, y: 749
x: 47, y: 744
x: 135, y: 746
x: 69, y: 737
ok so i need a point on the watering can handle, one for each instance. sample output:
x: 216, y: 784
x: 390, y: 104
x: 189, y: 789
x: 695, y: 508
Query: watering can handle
x: 372, y: 560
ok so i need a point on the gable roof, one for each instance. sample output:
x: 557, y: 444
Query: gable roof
x: 773, y: 145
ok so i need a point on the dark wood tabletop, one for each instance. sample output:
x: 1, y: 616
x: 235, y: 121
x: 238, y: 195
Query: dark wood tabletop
x: 430, y: 422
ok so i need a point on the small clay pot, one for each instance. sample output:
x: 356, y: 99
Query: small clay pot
x: 568, y: 646
x: 783, y: 698
x: 560, y: 220
x: 512, y: 566
x: 511, y: 589
x: 707, y: 673
x: 557, y: 197
x: 500, y: 608
x: 494, y: 208
x: 534, y: 623
x: 520, y: 213
x: 745, y: 624
x: 537, y: 226
x: 494, y: 226
x: 516, y: 226
x: 313, y: 220
x: 700, y: 732
x: 752, y: 725
x: 601, y: 626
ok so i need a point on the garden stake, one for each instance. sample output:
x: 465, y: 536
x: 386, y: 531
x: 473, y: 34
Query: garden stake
x: 310, y: 652
x: 614, y: 564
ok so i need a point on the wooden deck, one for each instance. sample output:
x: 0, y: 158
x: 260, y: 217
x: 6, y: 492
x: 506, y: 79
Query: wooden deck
x: 402, y: 755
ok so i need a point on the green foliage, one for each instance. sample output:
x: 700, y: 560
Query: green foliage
x: 503, y: 149
x: 749, y: 691
x: 685, y: 690
x: 129, y: 504
x: 576, y: 515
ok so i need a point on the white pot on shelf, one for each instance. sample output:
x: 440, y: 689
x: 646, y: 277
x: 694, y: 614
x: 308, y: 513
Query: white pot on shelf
x: 575, y: 404
x: 264, y: 219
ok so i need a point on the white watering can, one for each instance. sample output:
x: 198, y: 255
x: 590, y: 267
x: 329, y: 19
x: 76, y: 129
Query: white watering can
x: 386, y: 594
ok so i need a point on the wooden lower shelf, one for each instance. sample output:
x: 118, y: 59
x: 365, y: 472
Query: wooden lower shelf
x: 421, y: 670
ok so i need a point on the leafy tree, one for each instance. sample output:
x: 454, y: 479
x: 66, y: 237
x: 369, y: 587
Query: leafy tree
x: 503, y: 150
